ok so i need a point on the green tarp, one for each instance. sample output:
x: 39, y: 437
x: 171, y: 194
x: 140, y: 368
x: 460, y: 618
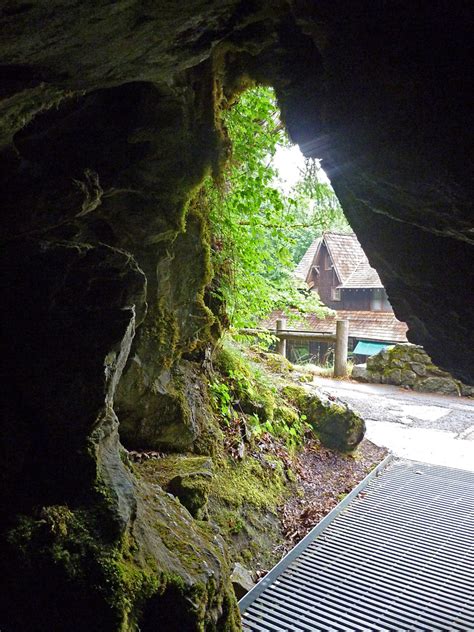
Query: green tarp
x: 369, y: 348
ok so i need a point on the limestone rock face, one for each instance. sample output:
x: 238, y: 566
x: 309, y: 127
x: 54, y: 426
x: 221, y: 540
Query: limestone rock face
x: 109, y: 122
x: 192, y: 485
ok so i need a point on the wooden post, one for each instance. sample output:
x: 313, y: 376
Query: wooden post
x: 342, y: 339
x: 281, y: 343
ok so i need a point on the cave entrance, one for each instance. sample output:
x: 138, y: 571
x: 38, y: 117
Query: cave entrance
x: 283, y: 248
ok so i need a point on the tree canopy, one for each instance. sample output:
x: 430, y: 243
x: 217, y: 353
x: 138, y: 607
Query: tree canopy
x: 259, y: 231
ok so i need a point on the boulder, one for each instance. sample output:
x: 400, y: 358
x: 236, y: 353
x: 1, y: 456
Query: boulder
x: 408, y: 378
x: 360, y: 372
x: 419, y: 368
x: 333, y: 422
x: 442, y: 385
x: 242, y: 580
x: 394, y: 376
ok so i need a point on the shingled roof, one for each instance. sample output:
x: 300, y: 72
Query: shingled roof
x: 304, y: 266
x: 364, y: 276
x: 381, y: 326
x: 345, y: 252
x: 349, y: 260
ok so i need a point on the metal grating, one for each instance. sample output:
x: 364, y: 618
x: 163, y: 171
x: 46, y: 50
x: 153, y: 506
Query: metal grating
x: 398, y: 557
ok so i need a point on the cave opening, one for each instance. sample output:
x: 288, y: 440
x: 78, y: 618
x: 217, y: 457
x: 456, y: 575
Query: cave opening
x: 109, y: 125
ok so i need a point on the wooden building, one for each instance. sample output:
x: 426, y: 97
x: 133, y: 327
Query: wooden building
x: 369, y: 332
x: 337, y: 268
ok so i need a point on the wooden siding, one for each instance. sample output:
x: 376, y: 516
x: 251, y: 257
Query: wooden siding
x: 326, y: 280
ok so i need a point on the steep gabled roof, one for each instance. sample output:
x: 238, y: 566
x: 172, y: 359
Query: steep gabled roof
x: 364, y: 276
x: 349, y: 260
x: 304, y: 266
x: 345, y: 252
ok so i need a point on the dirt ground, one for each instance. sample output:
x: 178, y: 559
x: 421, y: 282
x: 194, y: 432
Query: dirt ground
x: 324, y: 477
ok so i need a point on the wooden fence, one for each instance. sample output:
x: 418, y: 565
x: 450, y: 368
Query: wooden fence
x: 340, y: 337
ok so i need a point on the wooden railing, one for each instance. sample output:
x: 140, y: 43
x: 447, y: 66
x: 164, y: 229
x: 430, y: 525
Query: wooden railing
x: 340, y: 337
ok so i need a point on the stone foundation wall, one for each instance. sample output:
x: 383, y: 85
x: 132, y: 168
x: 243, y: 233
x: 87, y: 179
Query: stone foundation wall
x: 411, y: 367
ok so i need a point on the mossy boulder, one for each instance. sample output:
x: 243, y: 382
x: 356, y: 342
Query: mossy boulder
x: 334, y: 423
x: 409, y: 366
x: 242, y: 499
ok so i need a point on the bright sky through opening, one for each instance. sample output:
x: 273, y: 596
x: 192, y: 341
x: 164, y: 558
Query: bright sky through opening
x: 289, y: 161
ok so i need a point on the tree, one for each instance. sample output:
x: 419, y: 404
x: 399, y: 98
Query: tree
x: 258, y: 231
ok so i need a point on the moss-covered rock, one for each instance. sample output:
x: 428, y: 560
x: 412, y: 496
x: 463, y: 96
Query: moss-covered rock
x: 164, y: 560
x: 334, y: 423
x: 171, y: 413
x: 242, y: 498
x: 409, y: 366
x: 189, y: 479
x: 252, y: 389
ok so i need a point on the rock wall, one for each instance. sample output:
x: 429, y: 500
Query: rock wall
x: 109, y: 121
x: 411, y: 367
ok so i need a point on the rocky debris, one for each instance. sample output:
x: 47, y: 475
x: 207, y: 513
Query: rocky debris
x: 137, y: 456
x: 242, y: 580
x: 324, y: 478
x: 411, y: 367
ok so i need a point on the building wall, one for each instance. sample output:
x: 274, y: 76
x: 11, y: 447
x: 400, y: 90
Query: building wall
x: 326, y: 279
x: 356, y: 300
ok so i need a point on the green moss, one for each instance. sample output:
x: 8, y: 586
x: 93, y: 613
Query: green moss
x: 230, y: 521
x: 296, y: 395
x: 286, y: 415
x: 336, y: 426
x: 66, y: 546
x: 277, y: 363
x: 252, y: 391
x: 249, y: 482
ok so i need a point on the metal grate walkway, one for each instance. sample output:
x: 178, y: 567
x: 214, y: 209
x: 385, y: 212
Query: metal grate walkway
x: 399, y: 556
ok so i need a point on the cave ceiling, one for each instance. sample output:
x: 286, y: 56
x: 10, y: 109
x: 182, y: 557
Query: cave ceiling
x: 378, y: 91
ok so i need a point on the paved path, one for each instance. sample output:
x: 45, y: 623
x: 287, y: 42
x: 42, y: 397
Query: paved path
x: 426, y: 427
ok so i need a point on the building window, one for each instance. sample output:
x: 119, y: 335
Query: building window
x: 336, y: 293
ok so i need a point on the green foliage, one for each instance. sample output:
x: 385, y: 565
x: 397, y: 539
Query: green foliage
x: 316, y: 209
x: 222, y: 399
x: 244, y: 388
x: 258, y: 231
